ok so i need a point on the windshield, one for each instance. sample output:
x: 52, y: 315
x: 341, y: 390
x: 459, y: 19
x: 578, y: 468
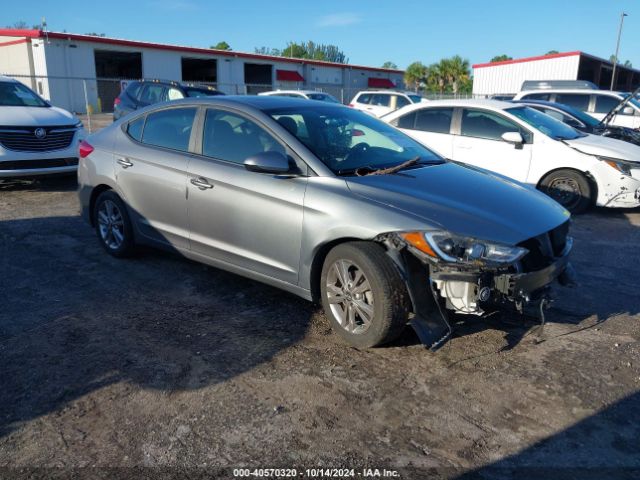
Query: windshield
x: 585, y: 118
x: 200, y: 92
x: 346, y: 140
x: 548, y: 125
x: 635, y: 101
x: 323, y: 97
x: 415, y: 98
x: 14, y: 94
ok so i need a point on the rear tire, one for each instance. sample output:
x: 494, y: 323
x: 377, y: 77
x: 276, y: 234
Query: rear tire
x: 113, y: 225
x: 363, y: 295
x: 569, y: 188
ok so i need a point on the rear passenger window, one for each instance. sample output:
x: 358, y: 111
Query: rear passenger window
x: 152, y: 93
x: 605, y: 103
x: 380, y: 100
x: 401, y: 102
x: 365, y: 98
x: 134, y: 128
x: 405, y: 121
x: 481, y: 124
x: 170, y: 128
x: 233, y: 138
x: 133, y: 89
x: 537, y: 96
x: 575, y: 100
x: 437, y: 120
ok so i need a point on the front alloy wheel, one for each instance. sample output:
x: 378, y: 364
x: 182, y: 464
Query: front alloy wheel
x: 350, y: 296
x: 363, y: 295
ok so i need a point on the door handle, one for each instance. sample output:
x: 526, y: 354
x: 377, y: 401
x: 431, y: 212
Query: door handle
x: 125, y: 162
x: 201, y: 183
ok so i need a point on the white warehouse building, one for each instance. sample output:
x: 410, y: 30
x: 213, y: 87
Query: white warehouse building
x: 73, y: 71
x: 506, y: 77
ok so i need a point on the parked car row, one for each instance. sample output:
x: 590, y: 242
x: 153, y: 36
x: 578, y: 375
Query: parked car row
x: 439, y: 207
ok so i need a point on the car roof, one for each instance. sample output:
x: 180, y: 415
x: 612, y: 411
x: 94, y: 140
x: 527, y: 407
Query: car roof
x: 546, y: 103
x: 257, y: 102
x: 304, y: 92
x: 582, y: 91
x: 389, y: 92
x: 471, y: 102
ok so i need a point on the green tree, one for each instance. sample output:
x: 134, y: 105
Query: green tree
x: 268, y: 51
x: 552, y: 52
x: 94, y: 34
x: 628, y: 64
x: 22, y: 25
x: 457, y: 71
x: 415, y: 74
x: 500, y: 58
x: 390, y: 65
x: 221, y: 46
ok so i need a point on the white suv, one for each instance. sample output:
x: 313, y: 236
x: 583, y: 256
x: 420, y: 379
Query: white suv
x: 381, y: 102
x: 35, y: 137
x: 596, y: 103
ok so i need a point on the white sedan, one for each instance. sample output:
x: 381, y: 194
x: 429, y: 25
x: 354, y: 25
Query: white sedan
x: 35, y: 137
x: 308, y: 94
x: 576, y: 169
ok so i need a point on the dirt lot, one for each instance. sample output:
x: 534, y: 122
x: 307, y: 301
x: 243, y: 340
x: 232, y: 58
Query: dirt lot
x: 162, y: 362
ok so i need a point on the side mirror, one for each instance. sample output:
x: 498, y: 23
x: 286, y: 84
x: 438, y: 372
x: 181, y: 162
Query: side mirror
x: 513, y: 137
x: 268, y: 162
x: 627, y: 111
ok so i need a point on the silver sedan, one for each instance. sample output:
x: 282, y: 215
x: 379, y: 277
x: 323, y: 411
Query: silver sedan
x: 328, y: 203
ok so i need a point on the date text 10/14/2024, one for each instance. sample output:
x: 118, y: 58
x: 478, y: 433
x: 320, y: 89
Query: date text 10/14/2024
x: 315, y: 473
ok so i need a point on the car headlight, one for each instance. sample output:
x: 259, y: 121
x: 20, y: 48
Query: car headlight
x: 622, y: 166
x: 79, y: 124
x: 453, y: 248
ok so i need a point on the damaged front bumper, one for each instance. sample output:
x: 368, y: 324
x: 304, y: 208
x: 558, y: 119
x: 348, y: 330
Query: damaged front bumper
x: 436, y: 288
x: 624, y: 193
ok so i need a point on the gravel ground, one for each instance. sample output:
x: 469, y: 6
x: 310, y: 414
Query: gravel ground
x: 166, y: 365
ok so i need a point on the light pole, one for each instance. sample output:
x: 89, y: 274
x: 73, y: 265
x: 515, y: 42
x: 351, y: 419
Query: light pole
x: 615, y: 60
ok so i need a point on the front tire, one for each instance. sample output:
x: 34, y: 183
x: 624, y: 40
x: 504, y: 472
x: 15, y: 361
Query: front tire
x: 569, y: 188
x: 363, y: 295
x: 113, y: 225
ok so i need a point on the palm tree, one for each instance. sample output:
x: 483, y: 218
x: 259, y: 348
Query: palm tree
x: 458, y: 71
x: 415, y: 74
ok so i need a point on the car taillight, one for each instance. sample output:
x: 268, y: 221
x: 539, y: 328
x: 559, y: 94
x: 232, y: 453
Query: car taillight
x: 116, y: 101
x: 84, y: 149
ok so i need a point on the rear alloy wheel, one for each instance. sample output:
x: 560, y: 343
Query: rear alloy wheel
x: 363, y: 294
x: 113, y: 225
x: 569, y: 188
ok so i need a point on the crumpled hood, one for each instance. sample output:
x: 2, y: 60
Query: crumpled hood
x: 36, y: 116
x: 465, y: 201
x: 606, y: 147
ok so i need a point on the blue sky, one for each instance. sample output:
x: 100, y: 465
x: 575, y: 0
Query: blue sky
x: 369, y: 32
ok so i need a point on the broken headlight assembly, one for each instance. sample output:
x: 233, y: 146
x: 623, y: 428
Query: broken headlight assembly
x: 622, y: 166
x: 447, y: 247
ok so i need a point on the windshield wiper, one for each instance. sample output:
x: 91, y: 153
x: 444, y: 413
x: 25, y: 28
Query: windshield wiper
x: 395, y: 168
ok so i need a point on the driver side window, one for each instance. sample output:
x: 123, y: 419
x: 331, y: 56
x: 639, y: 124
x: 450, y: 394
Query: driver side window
x: 230, y: 137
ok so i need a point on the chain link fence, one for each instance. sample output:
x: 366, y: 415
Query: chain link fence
x: 92, y: 99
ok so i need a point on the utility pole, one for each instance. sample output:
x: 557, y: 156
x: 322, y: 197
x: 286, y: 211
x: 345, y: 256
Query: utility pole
x: 615, y: 62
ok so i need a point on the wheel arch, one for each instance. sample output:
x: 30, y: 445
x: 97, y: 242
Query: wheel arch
x: 587, y: 174
x: 95, y: 193
x: 318, y: 262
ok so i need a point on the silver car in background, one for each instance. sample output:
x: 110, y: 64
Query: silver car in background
x: 328, y: 203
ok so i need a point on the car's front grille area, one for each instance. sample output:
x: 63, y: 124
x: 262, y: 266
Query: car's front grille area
x: 544, y: 248
x: 35, y: 139
x: 33, y: 164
